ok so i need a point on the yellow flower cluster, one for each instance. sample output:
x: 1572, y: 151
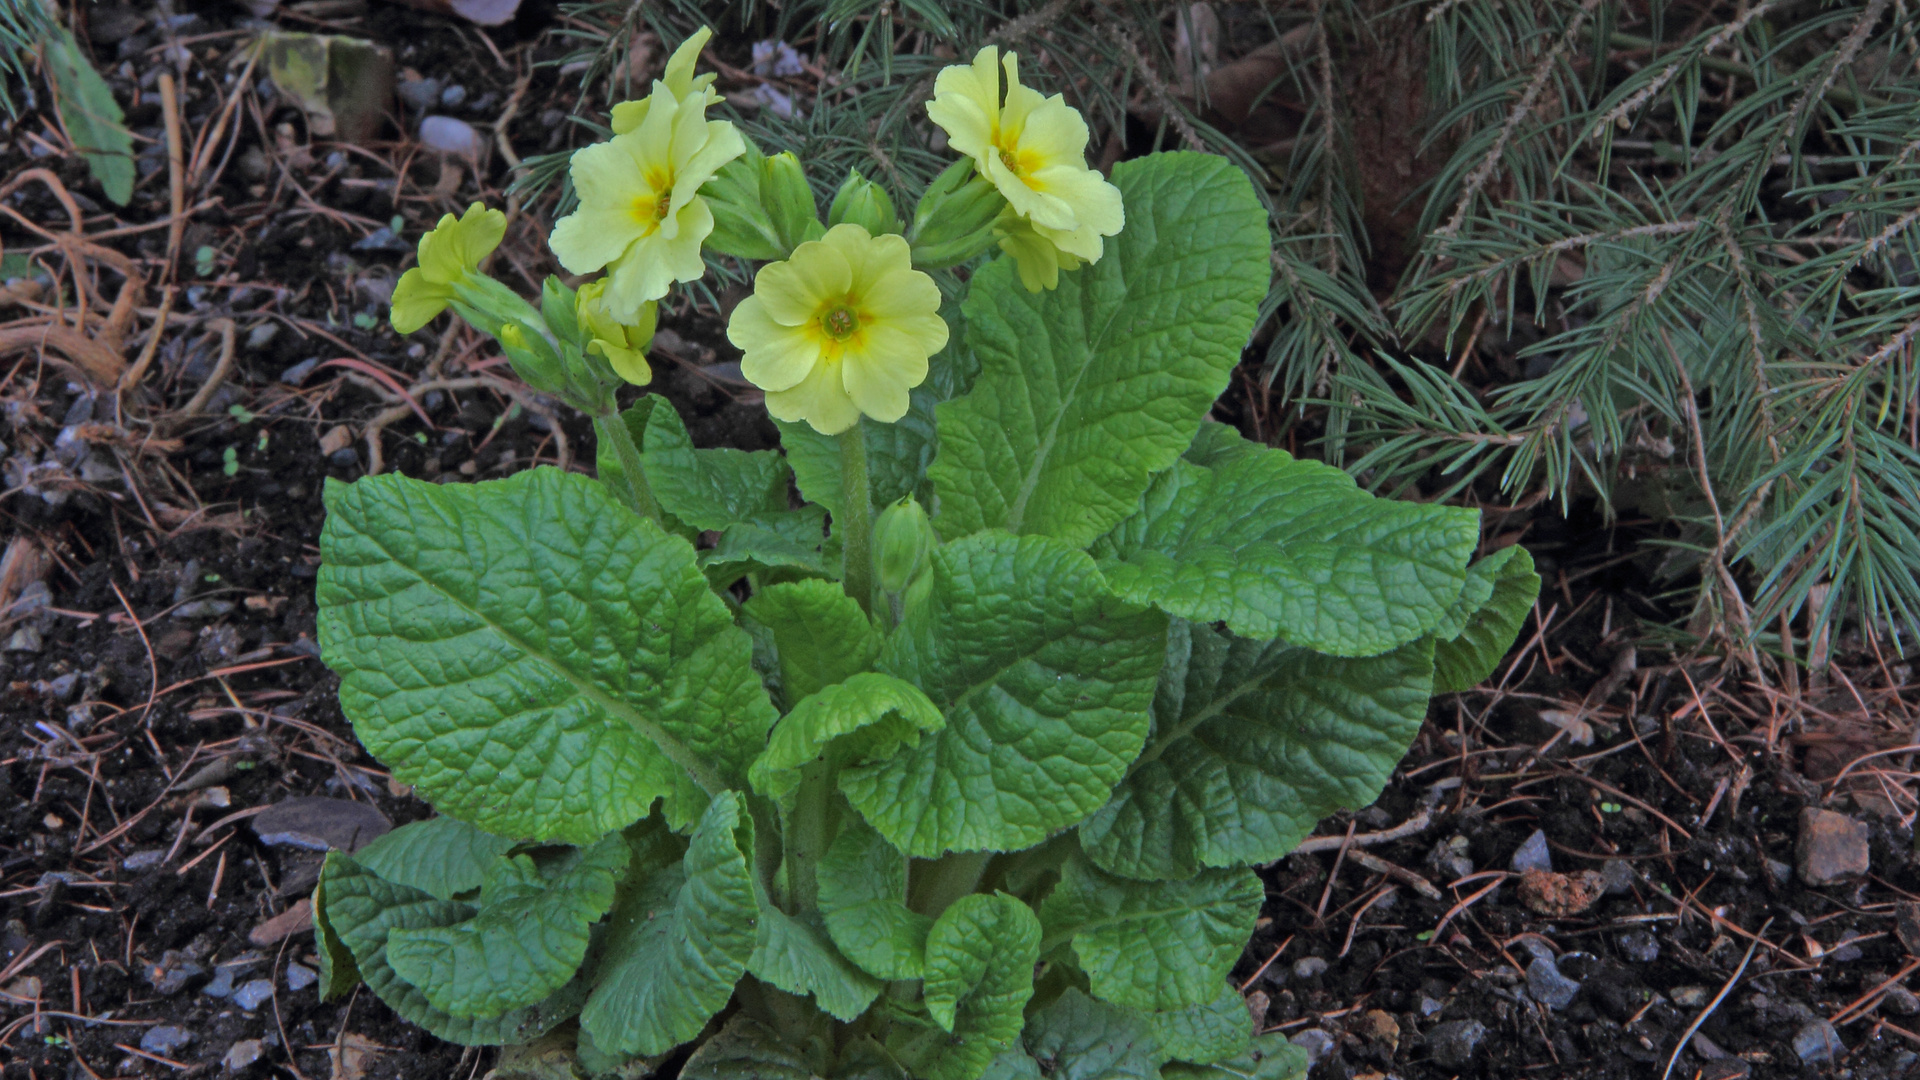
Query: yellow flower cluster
x: 641, y: 216
x: 1033, y: 149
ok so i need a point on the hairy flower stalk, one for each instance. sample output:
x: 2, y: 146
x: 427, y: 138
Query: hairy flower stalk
x: 1033, y: 149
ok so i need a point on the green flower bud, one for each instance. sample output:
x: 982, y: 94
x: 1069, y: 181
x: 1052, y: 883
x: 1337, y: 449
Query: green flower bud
x: 903, y: 539
x: 954, y: 221
x: 862, y: 202
x: 557, y: 303
x: 534, y: 358
x: 789, y: 201
x: 742, y: 225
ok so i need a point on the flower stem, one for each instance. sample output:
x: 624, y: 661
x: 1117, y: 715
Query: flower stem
x: 632, y: 488
x: 856, y: 531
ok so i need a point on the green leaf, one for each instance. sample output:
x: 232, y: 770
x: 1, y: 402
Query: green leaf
x: 1153, y: 945
x: 679, y: 942
x: 526, y: 939
x: 1217, y: 444
x: 822, y: 636
x: 1267, y: 1057
x: 1208, y: 1032
x: 707, y: 489
x: 1087, y: 390
x: 791, y: 543
x: 338, y: 973
x: 795, y: 955
x: 532, y: 657
x: 979, y: 976
x: 1277, y: 547
x: 1045, y: 680
x: 362, y: 910
x: 863, y: 896
x: 92, y: 117
x: 746, y: 1050
x: 1078, y: 1038
x: 1253, y: 743
x: 440, y: 856
x: 1476, y: 634
x: 874, y: 714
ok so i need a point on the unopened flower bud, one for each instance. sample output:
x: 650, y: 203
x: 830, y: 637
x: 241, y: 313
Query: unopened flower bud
x: 862, y: 202
x: 903, y: 539
x: 955, y: 218
x: 789, y: 201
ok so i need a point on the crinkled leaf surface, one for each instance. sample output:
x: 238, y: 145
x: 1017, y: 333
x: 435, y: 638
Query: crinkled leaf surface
x: 1153, y: 945
x: 1045, y: 680
x: 1253, y: 743
x: 534, y: 658
x: 1078, y: 1038
x: 1477, y: 633
x: 795, y: 955
x: 1087, y: 390
x: 787, y: 543
x: 338, y: 973
x: 525, y: 940
x: 1212, y: 1031
x: 92, y: 117
x: 440, y: 856
x: 873, y: 715
x: 678, y: 942
x: 747, y: 1050
x: 863, y: 895
x: 707, y: 489
x: 1278, y: 547
x: 362, y: 910
x: 1267, y: 1057
x: 821, y: 635
x: 979, y: 976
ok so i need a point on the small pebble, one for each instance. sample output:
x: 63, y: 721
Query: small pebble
x: 1548, y: 986
x: 453, y: 95
x: 203, y: 609
x: 1308, y: 967
x: 1639, y: 946
x: 344, y: 458
x: 242, y: 1054
x: 1617, y: 874
x: 1817, y: 1042
x: 419, y: 94
x: 172, y: 974
x: 1315, y: 1042
x: 317, y: 823
x: 1688, y: 997
x: 1707, y: 1048
x: 1453, y: 1043
x: 1778, y: 871
x: 1900, y: 1001
x: 165, y: 1040
x: 142, y: 860
x: 299, y: 977
x: 221, y: 985
x: 262, y: 333
x: 254, y: 994
x: 1533, y: 854
x: 449, y: 135
x: 1846, y: 954
x: 1430, y: 1007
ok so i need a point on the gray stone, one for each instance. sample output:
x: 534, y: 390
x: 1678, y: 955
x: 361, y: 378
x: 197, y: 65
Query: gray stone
x: 242, y: 1054
x: 1453, y: 1043
x: 143, y: 860
x: 1430, y: 1007
x: 1639, y: 946
x: 221, y: 985
x: 26, y: 639
x: 1778, y: 871
x: 299, y: 977
x: 1548, y: 986
x: 1618, y: 875
x: 450, y: 136
x: 1707, y: 1048
x: 1817, y: 1042
x: 453, y: 95
x: 317, y: 823
x: 419, y: 94
x: 1533, y: 854
x: 172, y: 974
x: 297, y: 374
x: 1831, y: 847
x: 1688, y: 997
x: 1900, y: 1001
x: 165, y: 1040
x: 1315, y: 1042
x: 254, y: 994
x: 1308, y: 967
x: 203, y: 609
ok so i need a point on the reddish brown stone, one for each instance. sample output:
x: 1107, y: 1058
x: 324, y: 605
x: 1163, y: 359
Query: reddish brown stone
x: 1560, y: 896
x: 1832, y: 847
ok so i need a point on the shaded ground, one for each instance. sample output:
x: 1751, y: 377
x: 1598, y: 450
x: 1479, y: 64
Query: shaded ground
x: 162, y: 683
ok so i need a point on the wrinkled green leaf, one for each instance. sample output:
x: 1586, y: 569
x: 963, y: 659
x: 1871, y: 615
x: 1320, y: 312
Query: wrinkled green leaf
x: 1277, y: 547
x: 979, y: 976
x: 795, y: 955
x: 92, y: 117
x: 747, y: 1050
x: 1078, y: 1038
x: 822, y: 636
x: 362, y: 910
x: 525, y: 940
x: 1153, y: 945
x: 873, y: 715
x: 1212, y: 1031
x: 1476, y: 634
x: 1045, y: 680
x: 1087, y: 390
x: 678, y: 942
x: 338, y: 973
x: 1253, y: 743
x: 790, y: 543
x: 534, y: 658
x: 1268, y: 1057
x: 440, y: 856
x: 863, y: 895
x: 707, y: 489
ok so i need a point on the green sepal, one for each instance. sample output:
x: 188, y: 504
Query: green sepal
x: 862, y: 202
x: 954, y: 220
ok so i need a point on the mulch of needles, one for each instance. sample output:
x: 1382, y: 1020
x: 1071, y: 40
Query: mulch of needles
x: 1604, y: 855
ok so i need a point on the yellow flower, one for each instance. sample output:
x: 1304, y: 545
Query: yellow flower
x: 678, y: 79
x: 447, y: 254
x: 1032, y: 148
x: 624, y: 346
x: 640, y: 213
x: 1038, y: 259
x: 843, y: 327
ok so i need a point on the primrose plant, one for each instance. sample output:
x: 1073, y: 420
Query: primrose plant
x: 956, y: 765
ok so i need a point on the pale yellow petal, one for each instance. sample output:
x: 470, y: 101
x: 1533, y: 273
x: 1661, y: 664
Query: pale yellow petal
x: 1041, y: 208
x: 416, y: 300
x: 1077, y: 243
x: 1096, y: 204
x: 588, y: 239
x: 903, y: 294
x: 724, y: 143
x: 1023, y: 102
x: 819, y: 399
x: 815, y: 278
x: 872, y: 259
x: 438, y: 260
x: 1034, y: 257
x: 878, y: 375
x: 629, y: 115
x: 966, y: 103
x: 1054, y: 133
x: 773, y: 356
x: 629, y: 364
x: 679, y: 73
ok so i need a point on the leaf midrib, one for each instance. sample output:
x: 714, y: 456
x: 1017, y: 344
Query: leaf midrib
x: 1188, y: 726
x: 676, y: 751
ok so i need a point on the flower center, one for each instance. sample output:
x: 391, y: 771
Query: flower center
x: 1012, y: 163
x: 651, y: 211
x: 840, y: 323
